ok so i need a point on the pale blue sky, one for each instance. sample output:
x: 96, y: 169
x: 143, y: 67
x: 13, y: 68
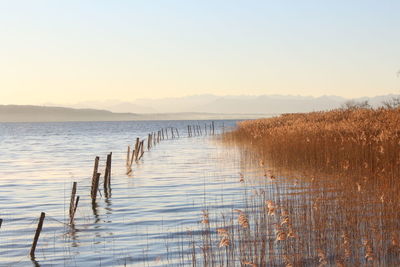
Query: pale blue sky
x: 71, y: 51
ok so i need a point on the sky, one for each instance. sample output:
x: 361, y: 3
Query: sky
x: 72, y: 51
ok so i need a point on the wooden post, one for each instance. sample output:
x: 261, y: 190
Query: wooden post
x: 141, y: 155
x: 72, y: 201
x: 37, y: 234
x: 133, y: 156
x: 172, y: 133
x: 166, y: 132
x: 71, y: 220
x: 148, y: 142
x: 1, y: 222
x: 213, y: 132
x: 96, y: 167
x: 162, y: 133
x: 139, y: 148
x: 142, y: 149
x: 107, y: 172
x: 136, y: 148
x: 128, y: 155
x: 205, y: 128
x: 95, y: 186
x: 177, y: 132
x: 201, y: 132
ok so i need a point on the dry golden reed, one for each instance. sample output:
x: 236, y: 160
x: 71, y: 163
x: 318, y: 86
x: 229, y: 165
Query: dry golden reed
x: 328, y: 193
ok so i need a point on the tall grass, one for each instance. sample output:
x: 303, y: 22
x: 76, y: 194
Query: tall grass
x: 342, y: 208
x: 353, y: 142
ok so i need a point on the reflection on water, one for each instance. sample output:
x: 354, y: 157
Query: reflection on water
x: 145, y: 217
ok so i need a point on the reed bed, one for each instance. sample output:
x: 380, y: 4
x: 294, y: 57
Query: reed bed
x: 356, y: 142
x: 327, y: 193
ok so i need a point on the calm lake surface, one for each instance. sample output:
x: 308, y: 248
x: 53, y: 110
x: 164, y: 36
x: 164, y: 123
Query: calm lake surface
x: 149, y: 211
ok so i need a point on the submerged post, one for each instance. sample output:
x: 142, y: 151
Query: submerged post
x: 133, y: 156
x: 128, y: 155
x: 107, y: 172
x: 71, y: 220
x: 148, y: 142
x: 72, y: 201
x: 37, y: 234
x: 95, y: 186
x: 95, y: 178
x: 1, y: 221
x: 96, y: 166
x: 141, y: 149
x: 136, y: 148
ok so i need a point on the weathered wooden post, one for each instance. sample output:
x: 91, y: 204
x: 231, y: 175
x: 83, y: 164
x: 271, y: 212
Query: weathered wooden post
x: 133, y: 156
x: 95, y: 179
x: 37, y: 234
x: 172, y: 133
x: 213, y: 132
x: 71, y: 220
x: 162, y: 133
x: 136, y: 148
x: 141, y: 149
x: 148, y: 142
x: 1, y: 222
x: 128, y: 155
x: 96, y: 166
x: 107, y: 172
x: 95, y: 186
x: 72, y: 200
x: 205, y: 128
x: 177, y: 132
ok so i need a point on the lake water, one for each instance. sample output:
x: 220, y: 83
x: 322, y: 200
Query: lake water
x: 143, y: 222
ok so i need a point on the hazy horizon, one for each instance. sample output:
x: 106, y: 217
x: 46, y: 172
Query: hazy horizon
x: 203, y: 104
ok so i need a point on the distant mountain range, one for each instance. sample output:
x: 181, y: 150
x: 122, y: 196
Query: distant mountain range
x: 263, y: 104
x: 191, y: 107
x: 24, y: 113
